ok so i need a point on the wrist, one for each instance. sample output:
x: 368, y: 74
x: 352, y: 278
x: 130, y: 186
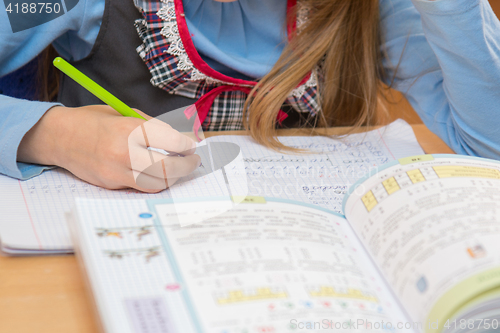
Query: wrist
x: 44, y: 142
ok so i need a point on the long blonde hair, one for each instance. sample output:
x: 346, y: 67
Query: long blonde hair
x: 343, y: 37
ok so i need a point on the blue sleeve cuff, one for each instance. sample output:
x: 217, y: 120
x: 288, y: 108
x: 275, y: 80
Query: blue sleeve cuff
x: 31, y: 170
x: 17, y: 117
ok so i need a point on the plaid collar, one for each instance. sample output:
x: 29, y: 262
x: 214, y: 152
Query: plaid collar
x: 176, y: 66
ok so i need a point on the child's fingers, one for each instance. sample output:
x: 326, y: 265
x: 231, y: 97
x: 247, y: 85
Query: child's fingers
x: 142, y: 158
x: 126, y: 178
x: 149, y: 184
x: 157, y: 134
x: 176, y: 167
x: 159, y: 165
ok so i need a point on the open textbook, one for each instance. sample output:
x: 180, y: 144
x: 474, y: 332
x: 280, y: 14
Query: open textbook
x: 418, y: 250
x: 32, y: 211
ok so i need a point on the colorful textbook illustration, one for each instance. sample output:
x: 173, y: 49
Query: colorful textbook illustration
x: 416, y: 250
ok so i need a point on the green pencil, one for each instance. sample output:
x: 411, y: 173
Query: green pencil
x: 95, y: 89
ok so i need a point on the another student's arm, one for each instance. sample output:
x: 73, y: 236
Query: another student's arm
x: 450, y: 68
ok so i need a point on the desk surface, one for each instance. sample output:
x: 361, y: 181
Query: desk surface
x: 47, y: 294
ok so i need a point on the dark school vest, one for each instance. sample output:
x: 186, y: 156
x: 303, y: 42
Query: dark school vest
x: 115, y: 65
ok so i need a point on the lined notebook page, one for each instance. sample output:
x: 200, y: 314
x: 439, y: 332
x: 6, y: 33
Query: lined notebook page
x: 322, y: 178
x: 32, y: 211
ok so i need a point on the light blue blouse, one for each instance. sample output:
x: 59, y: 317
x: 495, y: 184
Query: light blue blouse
x: 449, y: 70
x: 242, y: 39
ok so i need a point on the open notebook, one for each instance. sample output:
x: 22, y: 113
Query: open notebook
x: 32, y: 212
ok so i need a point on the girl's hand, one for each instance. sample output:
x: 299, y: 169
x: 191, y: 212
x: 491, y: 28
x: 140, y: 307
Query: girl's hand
x: 96, y: 144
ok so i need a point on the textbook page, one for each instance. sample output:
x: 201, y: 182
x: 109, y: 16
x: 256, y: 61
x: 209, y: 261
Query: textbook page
x: 271, y: 266
x: 432, y: 223
x: 32, y: 211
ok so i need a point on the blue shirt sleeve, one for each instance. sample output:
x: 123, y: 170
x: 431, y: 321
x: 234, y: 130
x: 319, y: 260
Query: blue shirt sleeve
x: 13, y: 127
x: 73, y: 35
x: 447, y: 56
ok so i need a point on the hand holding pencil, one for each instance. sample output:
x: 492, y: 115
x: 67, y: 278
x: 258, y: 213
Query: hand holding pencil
x: 97, y: 144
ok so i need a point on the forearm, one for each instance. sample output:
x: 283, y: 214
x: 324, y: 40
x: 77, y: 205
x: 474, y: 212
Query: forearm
x: 41, y: 143
x: 449, y: 68
x: 465, y: 36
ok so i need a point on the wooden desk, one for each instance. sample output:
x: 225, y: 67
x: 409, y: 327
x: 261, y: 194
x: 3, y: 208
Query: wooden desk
x: 47, y: 294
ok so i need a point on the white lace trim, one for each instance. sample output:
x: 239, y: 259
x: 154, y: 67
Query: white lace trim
x: 171, y: 32
x: 311, y: 82
x: 196, y: 76
x: 176, y: 48
x: 302, y: 16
